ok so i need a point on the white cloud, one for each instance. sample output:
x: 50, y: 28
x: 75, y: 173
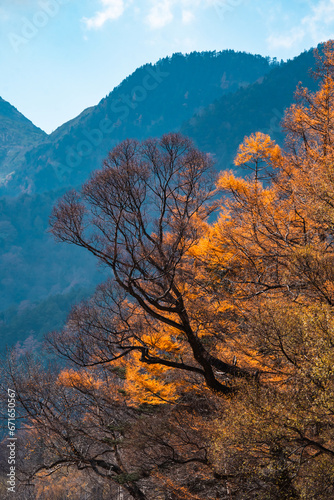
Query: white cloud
x: 321, y: 18
x: 187, y: 16
x: 112, y: 9
x: 317, y: 25
x: 287, y: 40
x: 160, y: 14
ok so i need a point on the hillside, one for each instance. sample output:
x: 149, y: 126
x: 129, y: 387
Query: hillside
x: 154, y: 100
x: 17, y: 134
x: 221, y: 127
x: 215, y: 98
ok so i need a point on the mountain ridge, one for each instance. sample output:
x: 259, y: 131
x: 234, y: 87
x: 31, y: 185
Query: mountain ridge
x: 216, y: 115
x: 17, y: 134
x: 222, y: 126
x: 153, y: 100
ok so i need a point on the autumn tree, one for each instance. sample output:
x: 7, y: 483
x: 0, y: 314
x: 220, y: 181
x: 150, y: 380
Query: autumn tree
x: 271, y: 254
x: 148, y: 336
x: 140, y: 216
x: 256, y: 154
x: 208, y: 353
x: 309, y: 153
x: 83, y: 422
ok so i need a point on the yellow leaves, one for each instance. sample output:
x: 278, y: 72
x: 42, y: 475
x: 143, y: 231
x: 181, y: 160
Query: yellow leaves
x: 271, y: 254
x: 83, y: 380
x: 247, y: 198
x: 179, y: 492
x: 228, y: 182
x: 300, y: 116
x: 251, y: 422
x: 149, y: 384
x: 318, y: 363
x: 163, y: 339
x: 296, y: 343
x: 268, y: 197
x: 70, y: 484
x: 200, y: 248
x: 255, y: 148
x: 309, y: 158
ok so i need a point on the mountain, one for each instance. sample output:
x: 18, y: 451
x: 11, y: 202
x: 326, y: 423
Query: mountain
x: 32, y: 266
x: 17, y: 134
x: 222, y: 126
x: 215, y: 98
x: 155, y: 99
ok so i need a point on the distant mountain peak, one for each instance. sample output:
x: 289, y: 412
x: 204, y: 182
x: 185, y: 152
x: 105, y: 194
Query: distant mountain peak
x: 17, y: 134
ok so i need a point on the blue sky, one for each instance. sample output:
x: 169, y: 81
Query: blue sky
x: 58, y: 57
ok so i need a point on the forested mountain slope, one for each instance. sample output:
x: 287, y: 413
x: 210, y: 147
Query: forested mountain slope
x: 221, y: 127
x: 17, y: 134
x: 154, y: 100
x: 203, y: 367
x: 215, y: 98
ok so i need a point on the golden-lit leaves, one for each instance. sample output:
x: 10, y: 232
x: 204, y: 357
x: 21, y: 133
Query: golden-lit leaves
x: 148, y: 384
x: 245, y: 300
x: 228, y: 182
x: 82, y: 380
x: 163, y: 340
x: 179, y: 492
x: 256, y: 148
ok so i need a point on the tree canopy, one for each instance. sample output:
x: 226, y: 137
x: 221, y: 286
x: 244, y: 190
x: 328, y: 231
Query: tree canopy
x: 203, y: 367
